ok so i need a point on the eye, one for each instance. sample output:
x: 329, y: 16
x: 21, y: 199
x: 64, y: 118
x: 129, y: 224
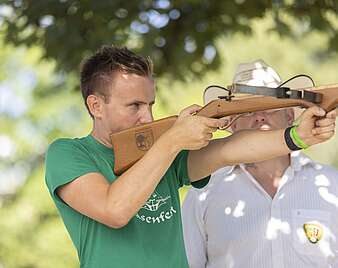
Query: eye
x: 135, y: 105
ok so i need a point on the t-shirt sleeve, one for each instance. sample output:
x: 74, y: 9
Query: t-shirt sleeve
x: 181, y: 168
x: 201, y: 183
x: 66, y: 160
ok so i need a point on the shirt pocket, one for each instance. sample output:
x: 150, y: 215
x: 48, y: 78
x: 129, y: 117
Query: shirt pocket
x: 311, y: 234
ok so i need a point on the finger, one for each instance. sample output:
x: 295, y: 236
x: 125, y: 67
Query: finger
x: 210, y: 129
x: 320, y: 130
x: 205, y: 143
x: 311, y: 112
x: 325, y: 122
x: 215, y: 123
x: 225, y: 120
x: 332, y: 114
x: 208, y: 136
x: 190, y: 110
x: 201, y: 144
x: 325, y: 136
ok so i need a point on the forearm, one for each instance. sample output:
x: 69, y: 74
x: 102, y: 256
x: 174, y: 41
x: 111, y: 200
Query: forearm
x: 252, y: 146
x: 242, y: 147
x: 129, y: 192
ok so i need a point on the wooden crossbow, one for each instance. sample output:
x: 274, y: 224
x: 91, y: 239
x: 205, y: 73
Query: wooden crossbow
x: 131, y: 144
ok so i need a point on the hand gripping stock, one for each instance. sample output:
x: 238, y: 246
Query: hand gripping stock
x: 131, y: 144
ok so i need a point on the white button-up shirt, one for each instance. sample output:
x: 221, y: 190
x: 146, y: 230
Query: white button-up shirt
x: 234, y: 223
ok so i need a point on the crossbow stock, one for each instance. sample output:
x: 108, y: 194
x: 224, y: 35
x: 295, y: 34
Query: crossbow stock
x: 131, y: 144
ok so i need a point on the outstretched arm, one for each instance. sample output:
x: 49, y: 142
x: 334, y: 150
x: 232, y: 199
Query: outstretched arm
x: 254, y: 146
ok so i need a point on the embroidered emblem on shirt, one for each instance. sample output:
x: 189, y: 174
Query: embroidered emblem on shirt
x: 313, y: 232
x: 144, y: 139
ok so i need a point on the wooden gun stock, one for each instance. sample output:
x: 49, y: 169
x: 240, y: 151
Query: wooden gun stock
x: 131, y: 144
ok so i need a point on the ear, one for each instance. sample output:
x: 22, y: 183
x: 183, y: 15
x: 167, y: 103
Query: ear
x: 290, y: 113
x: 95, y: 105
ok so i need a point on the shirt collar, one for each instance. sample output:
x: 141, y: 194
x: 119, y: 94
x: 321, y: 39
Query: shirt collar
x: 98, y: 145
x: 299, y: 160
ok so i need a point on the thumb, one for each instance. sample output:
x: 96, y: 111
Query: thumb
x: 215, y: 123
x: 190, y: 110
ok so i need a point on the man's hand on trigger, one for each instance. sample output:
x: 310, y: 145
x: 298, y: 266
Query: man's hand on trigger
x: 192, y: 132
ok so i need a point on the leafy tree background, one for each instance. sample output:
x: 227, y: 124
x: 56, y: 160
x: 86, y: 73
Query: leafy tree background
x: 168, y: 31
x: 193, y: 43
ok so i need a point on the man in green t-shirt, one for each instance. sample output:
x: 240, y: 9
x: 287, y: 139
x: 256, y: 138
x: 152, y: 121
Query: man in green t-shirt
x: 134, y: 220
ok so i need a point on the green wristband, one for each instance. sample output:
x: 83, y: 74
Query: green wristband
x: 296, y: 123
x: 297, y: 140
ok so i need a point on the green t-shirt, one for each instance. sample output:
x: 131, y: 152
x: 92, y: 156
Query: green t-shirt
x: 152, y: 238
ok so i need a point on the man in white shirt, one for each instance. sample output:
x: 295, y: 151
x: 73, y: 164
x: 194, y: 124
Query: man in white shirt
x: 278, y: 213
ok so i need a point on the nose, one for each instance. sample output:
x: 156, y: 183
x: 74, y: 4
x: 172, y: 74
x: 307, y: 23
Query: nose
x: 260, y: 117
x: 146, y: 116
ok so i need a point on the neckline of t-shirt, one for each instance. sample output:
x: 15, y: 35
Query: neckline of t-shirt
x: 103, y: 148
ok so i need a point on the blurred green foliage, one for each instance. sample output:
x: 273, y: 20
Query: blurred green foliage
x: 167, y: 30
x: 41, y: 106
x: 32, y: 234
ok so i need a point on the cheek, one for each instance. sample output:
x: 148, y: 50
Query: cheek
x: 131, y: 120
x: 118, y: 118
x: 280, y: 121
x: 127, y: 119
x: 120, y: 122
x: 243, y: 123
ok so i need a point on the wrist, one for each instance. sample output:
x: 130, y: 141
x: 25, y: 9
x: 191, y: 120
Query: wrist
x: 297, y: 139
x: 293, y: 140
x: 289, y: 141
x: 168, y: 142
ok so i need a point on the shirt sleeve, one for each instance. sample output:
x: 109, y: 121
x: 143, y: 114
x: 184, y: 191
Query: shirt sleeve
x: 193, y: 229
x: 66, y: 160
x: 181, y: 168
x: 201, y: 183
